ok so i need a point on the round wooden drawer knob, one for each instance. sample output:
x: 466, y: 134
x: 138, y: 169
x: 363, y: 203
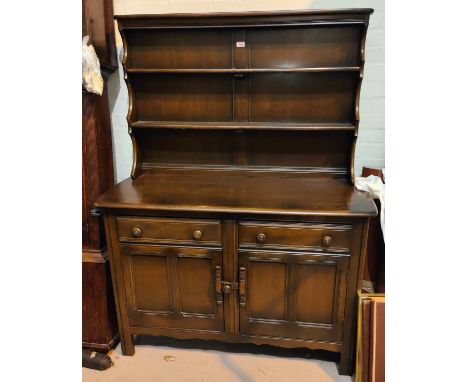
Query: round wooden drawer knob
x: 197, y: 235
x: 136, y: 232
x: 327, y: 240
x: 261, y: 237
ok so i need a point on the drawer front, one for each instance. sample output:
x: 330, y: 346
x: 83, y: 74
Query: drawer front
x: 169, y: 231
x: 304, y: 236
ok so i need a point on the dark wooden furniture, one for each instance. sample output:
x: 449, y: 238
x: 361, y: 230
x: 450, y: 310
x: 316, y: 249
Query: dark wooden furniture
x: 98, y: 24
x: 374, y: 266
x: 370, y: 348
x: 240, y: 222
x: 100, y: 330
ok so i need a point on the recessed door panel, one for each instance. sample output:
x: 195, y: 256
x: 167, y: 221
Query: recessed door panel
x: 151, y: 283
x: 196, y: 281
x: 315, y: 292
x: 267, y: 276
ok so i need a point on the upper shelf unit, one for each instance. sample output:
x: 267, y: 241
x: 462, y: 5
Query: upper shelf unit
x: 261, y: 91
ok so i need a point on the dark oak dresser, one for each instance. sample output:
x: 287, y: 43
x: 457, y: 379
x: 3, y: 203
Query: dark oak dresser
x: 240, y: 222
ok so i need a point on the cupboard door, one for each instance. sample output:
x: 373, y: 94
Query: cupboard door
x: 292, y: 295
x: 173, y: 287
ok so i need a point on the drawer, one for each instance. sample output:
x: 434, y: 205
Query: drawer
x: 304, y: 236
x: 169, y: 231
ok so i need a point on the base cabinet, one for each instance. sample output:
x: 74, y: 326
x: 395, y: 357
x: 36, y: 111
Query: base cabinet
x: 213, y: 279
x: 280, y: 294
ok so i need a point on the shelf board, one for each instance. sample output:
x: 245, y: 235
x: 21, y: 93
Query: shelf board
x: 244, y: 125
x: 250, y: 70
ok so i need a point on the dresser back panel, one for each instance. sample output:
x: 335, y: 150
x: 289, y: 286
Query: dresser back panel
x: 303, y: 47
x: 303, y: 149
x: 206, y: 147
x: 183, y: 49
x: 271, y: 97
x: 302, y: 97
x: 183, y: 97
x: 283, y: 47
x: 300, y: 149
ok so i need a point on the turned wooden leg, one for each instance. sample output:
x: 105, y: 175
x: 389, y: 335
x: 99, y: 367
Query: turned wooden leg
x: 126, y: 342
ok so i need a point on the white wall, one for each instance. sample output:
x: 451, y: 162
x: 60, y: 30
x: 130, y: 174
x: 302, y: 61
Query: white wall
x: 370, y: 150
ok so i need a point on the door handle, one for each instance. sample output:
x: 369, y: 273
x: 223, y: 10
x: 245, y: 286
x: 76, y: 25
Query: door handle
x: 242, y: 286
x: 219, y: 293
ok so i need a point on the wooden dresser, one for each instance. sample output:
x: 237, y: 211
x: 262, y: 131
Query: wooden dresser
x: 240, y: 222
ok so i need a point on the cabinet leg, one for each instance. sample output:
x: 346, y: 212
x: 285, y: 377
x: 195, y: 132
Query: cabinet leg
x: 346, y: 363
x: 126, y: 342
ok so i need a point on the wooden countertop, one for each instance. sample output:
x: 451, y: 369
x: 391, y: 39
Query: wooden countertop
x: 237, y: 193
